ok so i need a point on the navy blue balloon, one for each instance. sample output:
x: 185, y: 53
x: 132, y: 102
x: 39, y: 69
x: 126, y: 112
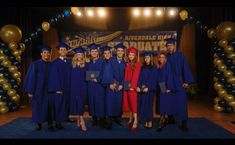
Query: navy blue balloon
x: 205, y: 28
x: 191, y: 19
x: 5, y: 98
x: 2, y: 44
x: 58, y: 16
x: 219, y: 50
x: 67, y: 13
x: 51, y: 21
x: 39, y: 30
x: 222, y: 103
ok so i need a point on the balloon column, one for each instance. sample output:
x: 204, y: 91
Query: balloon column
x: 10, y: 76
x: 224, y: 66
x: 223, y: 38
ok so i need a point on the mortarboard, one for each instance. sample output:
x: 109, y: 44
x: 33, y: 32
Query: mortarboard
x: 62, y: 45
x: 44, y: 48
x: 79, y: 50
x: 170, y: 41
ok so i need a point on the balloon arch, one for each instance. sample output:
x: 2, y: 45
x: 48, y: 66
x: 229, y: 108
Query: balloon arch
x: 11, y: 48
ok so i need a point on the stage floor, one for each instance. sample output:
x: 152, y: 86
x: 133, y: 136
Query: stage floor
x: 200, y: 107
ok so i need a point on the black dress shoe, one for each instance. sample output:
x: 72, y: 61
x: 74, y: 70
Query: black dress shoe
x: 51, y: 128
x: 159, y: 129
x: 118, y: 121
x: 59, y: 126
x: 184, y: 128
x: 39, y: 126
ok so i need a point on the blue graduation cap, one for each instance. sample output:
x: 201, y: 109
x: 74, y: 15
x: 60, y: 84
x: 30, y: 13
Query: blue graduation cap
x: 79, y: 50
x: 170, y: 41
x: 147, y: 53
x: 62, y: 44
x: 44, y: 48
x: 106, y: 48
x: 120, y: 45
x: 93, y: 46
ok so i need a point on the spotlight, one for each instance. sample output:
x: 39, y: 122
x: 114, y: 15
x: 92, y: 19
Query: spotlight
x: 172, y: 12
x: 79, y: 13
x: 90, y: 13
x: 101, y: 12
x: 136, y: 12
x: 159, y: 12
x: 147, y: 12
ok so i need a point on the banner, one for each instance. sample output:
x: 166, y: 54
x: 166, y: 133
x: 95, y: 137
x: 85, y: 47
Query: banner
x: 142, y: 40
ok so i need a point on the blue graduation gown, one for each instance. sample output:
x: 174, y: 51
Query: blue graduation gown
x: 96, y: 92
x: 78, y: 90
x: 145, y: 100
x: 166, y: 100
x: 59, y: 80
x: 36, y: 83
x: 113, y: 72
x: 182, y: 74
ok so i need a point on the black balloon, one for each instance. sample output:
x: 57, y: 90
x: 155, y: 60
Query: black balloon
x: 232, y: 68
x: 7, y: 75
x: 222, y: 80
x: 222, y: 55
x: 222, y: 103
x: 228, y: 109
x: 38, y: 30
x: 219, y: 50
x: 233, y: 92
x: 198, y: 22
x: 229, y: 62
x: 13, y: 81
x: 51, y: 21
x: 229, y: 87
x: 15, y: 86
x: 5, y: 98
x: 232, y: 43
x: 6, y: 51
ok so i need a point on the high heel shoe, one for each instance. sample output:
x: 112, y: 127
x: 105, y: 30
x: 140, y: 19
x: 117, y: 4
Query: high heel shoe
x: 83, y: 126
x: 134, y: 129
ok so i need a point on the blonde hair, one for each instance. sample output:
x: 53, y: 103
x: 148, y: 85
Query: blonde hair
x: 75, y: 61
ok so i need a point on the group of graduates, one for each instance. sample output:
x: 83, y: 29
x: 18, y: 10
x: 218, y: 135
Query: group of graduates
x: 64, y: 86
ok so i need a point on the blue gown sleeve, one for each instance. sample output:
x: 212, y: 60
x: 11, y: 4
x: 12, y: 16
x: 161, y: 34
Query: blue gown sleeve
x: 187, y: 74
x: 30, y: 80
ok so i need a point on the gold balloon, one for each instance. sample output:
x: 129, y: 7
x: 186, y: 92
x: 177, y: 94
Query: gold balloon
x: 4, y: 109
x: 183, y: 14
x: 1, y: 76
x: 74, y: 10
x: 15, y: 98
x: 228, y: 49
x: 18, y: 80
x: 222, y: 67
x: 6, y: 63
x: 222, y: 93
x: 218, y: 86
x: 229, y: 98
x: 13, y: 46
x: 232, y: 104
x: 16, y: 75
x: 3, y: 80
x: 226, y: 30
x: 22, y: 47
x: 6, y: 86
x: 218, y: 108
x: 11, y: 92
x: 216, y: 100
x: 223, y: 43
x: 2, y: 103
x: 231, y: 55
x: 12, y: 68
x: 218, y: 61
x: 17, y: 53
x: 215, y: 79
x: 3, y: 57
x: 231, y: 80
x: 211, y: 33
x: 228, y: 73
x: 11, y: 33
x: 45, y: 26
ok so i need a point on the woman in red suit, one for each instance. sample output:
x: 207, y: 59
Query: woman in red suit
x: 132, y: 72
